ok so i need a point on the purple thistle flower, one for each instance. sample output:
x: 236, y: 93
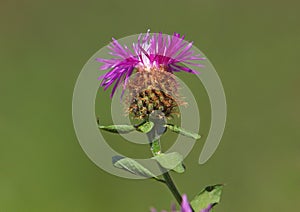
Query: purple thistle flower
x: 149, y: 53
x: 185, y: 206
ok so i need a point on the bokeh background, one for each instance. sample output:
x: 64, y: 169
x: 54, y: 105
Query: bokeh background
x: 254, y: 46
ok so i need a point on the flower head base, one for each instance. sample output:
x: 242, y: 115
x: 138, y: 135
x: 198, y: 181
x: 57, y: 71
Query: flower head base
x: 150, y: 52
x: 154, y: 90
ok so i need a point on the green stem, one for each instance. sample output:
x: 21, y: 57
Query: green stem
x: 154, y: 141
x: 172, y: 187
x: 156, y: 150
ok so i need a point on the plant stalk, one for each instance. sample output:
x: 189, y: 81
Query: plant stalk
x: 154, y: 141
x: 172, y: 187
x: 153, y: 137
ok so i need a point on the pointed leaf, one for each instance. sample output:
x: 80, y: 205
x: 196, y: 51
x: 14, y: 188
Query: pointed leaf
x: 171, y: 161
x: 132, y: 166
x: 211, y: 195
x: 146, y: 127
x: 182, y: 131
x: 121, y: 129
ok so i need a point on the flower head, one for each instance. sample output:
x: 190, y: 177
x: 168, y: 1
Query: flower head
x: 150, y: 53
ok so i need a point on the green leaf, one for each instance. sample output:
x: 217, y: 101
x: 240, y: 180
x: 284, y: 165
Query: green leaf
x: 181, y: 131
x: 211, y: 195
x: 132, y: 166
x: 121, y: 129
x: 146, y: 127
x: 171, y: 161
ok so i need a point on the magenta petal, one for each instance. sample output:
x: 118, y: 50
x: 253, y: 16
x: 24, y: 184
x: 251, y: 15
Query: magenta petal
x: 185, y: 205
x: 158, y: 49
x: 174, y: 67
x: 173, y: 208
x: 153, y: 210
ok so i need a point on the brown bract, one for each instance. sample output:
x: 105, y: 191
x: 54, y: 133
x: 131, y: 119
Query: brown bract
x: 153, y: 90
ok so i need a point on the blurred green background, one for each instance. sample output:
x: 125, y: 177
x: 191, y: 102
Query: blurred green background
x: 254, y: 46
